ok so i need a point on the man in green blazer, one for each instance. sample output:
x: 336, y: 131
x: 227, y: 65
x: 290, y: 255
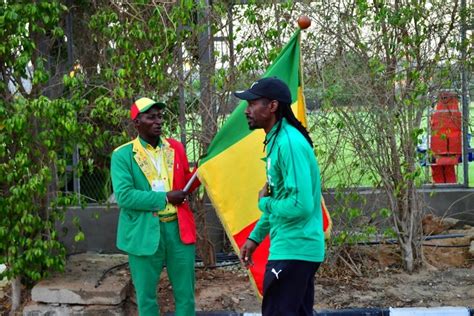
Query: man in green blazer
x: 156, y: 225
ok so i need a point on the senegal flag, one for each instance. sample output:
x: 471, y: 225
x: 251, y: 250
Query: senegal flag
x: 233, y: 171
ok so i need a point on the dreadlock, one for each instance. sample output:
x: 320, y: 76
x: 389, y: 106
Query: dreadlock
x: 284, y: 111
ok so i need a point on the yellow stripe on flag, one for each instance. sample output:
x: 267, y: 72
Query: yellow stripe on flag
x: 300, y: 108
x: 238, y: 172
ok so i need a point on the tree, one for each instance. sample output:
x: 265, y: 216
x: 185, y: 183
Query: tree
x: 379, y: 64
x: 45, y: 117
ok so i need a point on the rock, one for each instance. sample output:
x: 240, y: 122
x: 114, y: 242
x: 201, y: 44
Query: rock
x: 434, y: 225
x: 446, y: 252
x: 78, y: 308
x: 470, y: 233
x: 450, y: 222
x: 235, y: 300
x: 3, y: 285
x: 34, y: 309
x: 85, y: 284
x: 4, y: 282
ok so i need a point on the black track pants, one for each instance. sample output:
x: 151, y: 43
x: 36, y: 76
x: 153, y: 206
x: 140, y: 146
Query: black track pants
x: 288, y: 288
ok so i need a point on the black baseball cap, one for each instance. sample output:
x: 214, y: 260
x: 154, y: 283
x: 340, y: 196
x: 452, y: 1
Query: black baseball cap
x: 271, y: 88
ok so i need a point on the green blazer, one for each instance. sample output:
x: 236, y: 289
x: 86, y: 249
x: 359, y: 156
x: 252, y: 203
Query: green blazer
x: 138, y: 231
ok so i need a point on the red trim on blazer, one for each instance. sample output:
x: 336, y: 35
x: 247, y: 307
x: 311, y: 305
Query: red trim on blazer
x: 181, y: 175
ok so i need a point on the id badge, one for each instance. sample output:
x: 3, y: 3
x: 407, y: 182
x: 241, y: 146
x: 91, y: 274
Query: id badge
x: 158, y: 185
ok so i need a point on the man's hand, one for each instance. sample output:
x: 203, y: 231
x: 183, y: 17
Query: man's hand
x: 246, y: 252
x: 264, y: 191
x: 176, y: 197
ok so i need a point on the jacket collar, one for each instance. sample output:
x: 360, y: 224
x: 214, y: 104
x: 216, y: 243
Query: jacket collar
x: 163, y: 143
x: 270, y: 137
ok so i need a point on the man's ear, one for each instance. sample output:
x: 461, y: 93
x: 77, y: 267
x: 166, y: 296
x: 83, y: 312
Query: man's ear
x: 274, y: 106
x: 136, y: 122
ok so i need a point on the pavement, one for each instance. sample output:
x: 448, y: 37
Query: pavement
x: 415, y: 311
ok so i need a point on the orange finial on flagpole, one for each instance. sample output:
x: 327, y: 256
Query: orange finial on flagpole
x: 304, y: 22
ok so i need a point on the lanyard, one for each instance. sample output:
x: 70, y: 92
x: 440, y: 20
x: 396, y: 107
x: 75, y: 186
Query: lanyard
x: 156, y: 162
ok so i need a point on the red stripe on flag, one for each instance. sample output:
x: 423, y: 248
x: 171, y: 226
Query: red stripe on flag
x: 325, y: 217
x: 260, y: 256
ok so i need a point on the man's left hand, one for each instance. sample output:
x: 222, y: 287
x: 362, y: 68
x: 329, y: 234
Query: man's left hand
x: 264, y: 191
x: 176, y: 197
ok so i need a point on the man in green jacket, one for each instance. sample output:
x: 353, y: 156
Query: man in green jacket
x: 290, y: 202
x: 156, y: 225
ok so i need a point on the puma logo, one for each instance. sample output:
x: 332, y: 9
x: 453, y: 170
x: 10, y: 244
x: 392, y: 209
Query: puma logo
x: 276, y: 273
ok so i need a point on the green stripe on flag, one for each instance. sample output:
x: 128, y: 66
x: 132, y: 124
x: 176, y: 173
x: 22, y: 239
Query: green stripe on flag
x: 286, y: 68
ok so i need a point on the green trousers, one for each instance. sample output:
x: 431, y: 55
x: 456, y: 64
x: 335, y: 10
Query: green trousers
x: 179, y: 259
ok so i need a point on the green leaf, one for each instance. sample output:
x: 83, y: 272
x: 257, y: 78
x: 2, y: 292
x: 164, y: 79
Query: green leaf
x: 79, y: 236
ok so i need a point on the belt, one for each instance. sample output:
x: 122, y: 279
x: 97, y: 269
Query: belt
x: 166, y: 219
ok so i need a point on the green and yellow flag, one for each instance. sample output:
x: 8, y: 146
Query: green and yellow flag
x: 233, y: 171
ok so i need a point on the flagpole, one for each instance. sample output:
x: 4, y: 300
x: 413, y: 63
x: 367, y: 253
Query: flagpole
x: 303, y: 22
x: 190, y: 182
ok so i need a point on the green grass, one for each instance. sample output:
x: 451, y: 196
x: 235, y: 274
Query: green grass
x: 338, y: 159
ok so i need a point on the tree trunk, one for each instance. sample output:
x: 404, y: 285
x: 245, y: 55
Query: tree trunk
x: 208, y: 118
x: 204, y: 246
x: 407, y: 256
x: 16, y: 295
x: 407, y: 215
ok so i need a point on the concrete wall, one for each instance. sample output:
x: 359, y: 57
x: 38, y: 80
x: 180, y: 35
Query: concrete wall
x: 99, y: 223
x: 456, y: 203
x: 444, y: 202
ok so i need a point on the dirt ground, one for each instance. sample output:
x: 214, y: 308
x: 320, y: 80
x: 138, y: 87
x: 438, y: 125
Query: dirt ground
x: 360, y: 276
x: 357, y: 276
